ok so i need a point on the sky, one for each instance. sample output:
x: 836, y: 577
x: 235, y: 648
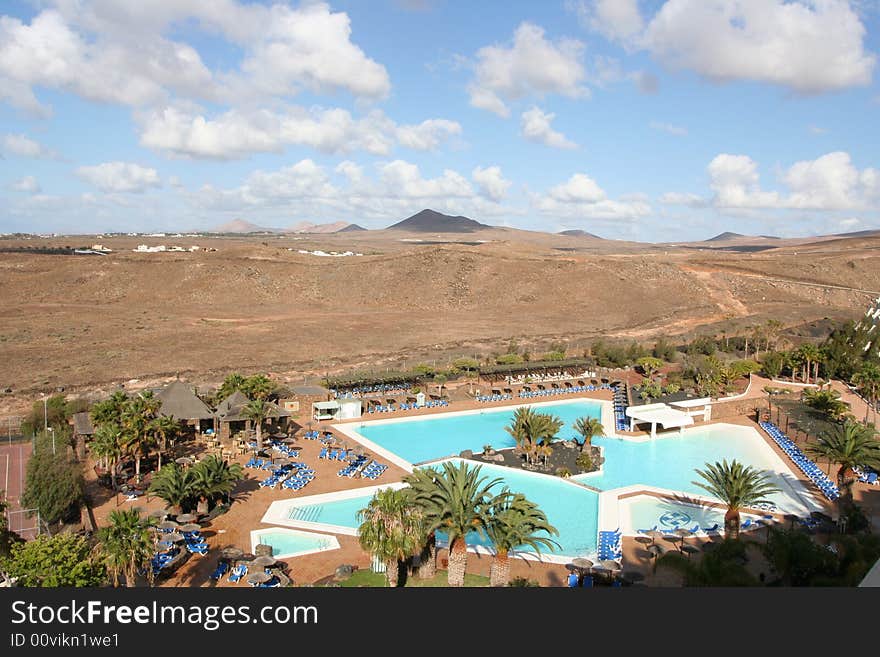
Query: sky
x: 646, y: 120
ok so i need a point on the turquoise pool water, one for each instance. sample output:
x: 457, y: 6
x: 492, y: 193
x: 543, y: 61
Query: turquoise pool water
x: 289, y: 543
x: 437, y: 437
x: 670, y: 462
x: 571, y: 509
x: 664, y: 514
x: 342, y: 513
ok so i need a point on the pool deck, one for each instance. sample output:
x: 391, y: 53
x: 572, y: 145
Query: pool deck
x: 252, y: 504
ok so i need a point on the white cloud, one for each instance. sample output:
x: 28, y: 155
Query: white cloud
x: 532, y: 65
x: 807, y: 46
x: 581, y: 197
x: 535, y: 126
x: 676, y: 130
x: 22, y: 146
x: 403, y: 179
x: 427, y: 135
x: 27, y: 184
x: 615, y: 19
x: 104, y: 51
x: 120, y: 177
x: 830, y: 182
x: 491, y: 182
x: 238, y: 133
x: 817, y: 130
x: 351, y: 170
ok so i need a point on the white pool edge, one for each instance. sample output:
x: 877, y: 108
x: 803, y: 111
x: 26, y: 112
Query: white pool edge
x: 257, y: 533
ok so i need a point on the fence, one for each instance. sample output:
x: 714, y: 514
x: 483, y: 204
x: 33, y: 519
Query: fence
x: 26, y: 523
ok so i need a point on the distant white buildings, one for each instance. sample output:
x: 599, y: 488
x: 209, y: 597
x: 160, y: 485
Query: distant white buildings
x: 331, y: 254
x: 870, y: 324
x: 161, y: 248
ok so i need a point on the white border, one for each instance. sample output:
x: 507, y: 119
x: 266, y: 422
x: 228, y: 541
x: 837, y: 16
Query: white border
x: 256, y: 534
x: 278, y: 512
x: 350, y: 429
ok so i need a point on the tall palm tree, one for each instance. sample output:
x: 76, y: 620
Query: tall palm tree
x: 421, y: 481
x: 516, y: 522
x: 257, y: 411
x: 458, y: 502
x: 136, y: 417
x: 110, y: 410
x: 231, y: 383
x: 215, y: 478
x: 258, y: 386
x: 827, y: 402
x: 390, y: 530
x: 737, y: 486
x: 588, y: 428
x: 176, y: 486
x: 126, y: 545
x: 868, y: 381
x: 530, y: 428
x: 810, y: 354
x: 849, y: 444
x: 106, y: 444
x: 163, y: 428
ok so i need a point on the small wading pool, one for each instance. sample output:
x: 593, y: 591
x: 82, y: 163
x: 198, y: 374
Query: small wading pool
x: 292, y: 542
x: 644, y: 512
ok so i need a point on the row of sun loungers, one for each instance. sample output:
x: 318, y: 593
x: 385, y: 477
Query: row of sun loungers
x: 364, y: 467
x: 381, y: 388
x: 808, y: 467
x: 867, y: 476
x: 610, y: 546
x: 334, y: 454
x: 406, y: 406
x: 494, y: 398
x: 620, y: 404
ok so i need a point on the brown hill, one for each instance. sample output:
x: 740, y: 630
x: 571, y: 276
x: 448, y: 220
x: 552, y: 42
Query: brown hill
x: 431, y: 221
x: 241, y: 226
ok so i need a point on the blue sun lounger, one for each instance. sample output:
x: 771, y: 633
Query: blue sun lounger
x: 220, y: 571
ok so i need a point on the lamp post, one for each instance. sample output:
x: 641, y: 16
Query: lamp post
x: 45, y: 414
x: 52, y: 429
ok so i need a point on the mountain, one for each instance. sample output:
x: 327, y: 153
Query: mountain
x: 308, y: 227
x: 431, y: 221
x: 350, y: 228
x: 873, y: 232
x: 241, y: 226
x: 579, y: 233
x: 725, y: 237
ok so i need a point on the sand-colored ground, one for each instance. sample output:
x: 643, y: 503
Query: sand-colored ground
x: 90, y: 323
x: 251, y: 502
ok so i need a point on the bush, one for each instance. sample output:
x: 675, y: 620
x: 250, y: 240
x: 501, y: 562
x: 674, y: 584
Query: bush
x: 523, y: 582
x: 53, y: 484
x: 585, y: 462
x: 509, y: 359
x: 54, y: 561
x: 563, y: 472
x: 671, y: 388
x: 554, y: 355
x: 466, y: 364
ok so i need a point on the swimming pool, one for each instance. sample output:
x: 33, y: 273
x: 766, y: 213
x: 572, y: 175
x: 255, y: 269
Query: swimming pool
x: 571, y: 508
x: 669, y: 462
x: 420, y: 439
x: 292, y: 543
x: 643, y: 512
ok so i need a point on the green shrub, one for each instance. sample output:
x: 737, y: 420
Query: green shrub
x: 585, y: 461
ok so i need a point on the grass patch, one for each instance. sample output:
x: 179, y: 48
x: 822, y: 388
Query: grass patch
x: 367, y: 577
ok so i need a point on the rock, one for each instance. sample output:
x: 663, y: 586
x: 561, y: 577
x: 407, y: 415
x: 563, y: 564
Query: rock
x: 262, y: 550
x: 466, y: 454
x: 343, y: 572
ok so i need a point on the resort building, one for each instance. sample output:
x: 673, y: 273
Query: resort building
x: 230, y: 416
x: 180, y: 402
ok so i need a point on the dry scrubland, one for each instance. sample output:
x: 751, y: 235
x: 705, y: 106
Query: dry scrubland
x: 90, y: 321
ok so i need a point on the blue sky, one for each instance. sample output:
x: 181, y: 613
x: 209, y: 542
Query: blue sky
x: 635, y: 119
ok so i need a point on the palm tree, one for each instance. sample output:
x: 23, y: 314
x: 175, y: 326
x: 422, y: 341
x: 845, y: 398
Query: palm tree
x: 868, y: 381
x: 215, y: 478
x: 176, y: 486
x: 258, y: 386
x: 231, y: 383
x: 530, y: 428
x: 106, y: 444
x: 126, y: 545
x: 516, y: 521
x: 810, y: 354
x: 136, y: 417
x: 257, y: 411
x: 457, y: 502
x: 588, y: 428
x: 421, y: 482
x: 110, y: 410
x: 849, y: 444
x: 827, y: 402
x: 390, y: 530
x: 723, y: 566
x: 737, y: 486
x: 163, y: 427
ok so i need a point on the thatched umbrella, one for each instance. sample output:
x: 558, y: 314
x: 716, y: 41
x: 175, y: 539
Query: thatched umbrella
x: 167, y: 525
x: 258, y: 577
x: 173, y: 537
x: 263, y: 561
x: 231, y: 553
x: 190, y: 527
x: 187, y: 517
